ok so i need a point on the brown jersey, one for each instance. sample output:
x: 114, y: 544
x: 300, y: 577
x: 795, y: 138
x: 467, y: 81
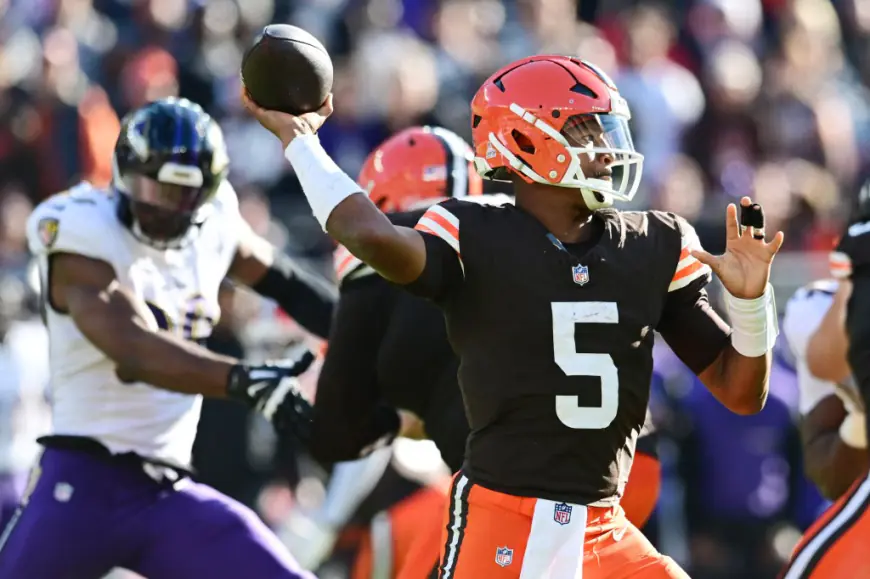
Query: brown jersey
x: 555, y: 343
x: 387, y: 349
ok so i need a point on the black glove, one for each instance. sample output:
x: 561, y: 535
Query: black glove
x: 273, y: 390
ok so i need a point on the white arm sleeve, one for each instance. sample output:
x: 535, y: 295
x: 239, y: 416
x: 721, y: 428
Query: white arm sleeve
x: 803, y: 315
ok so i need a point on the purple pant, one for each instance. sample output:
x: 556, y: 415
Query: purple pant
x: 86, y: 515
x: 11, y: 487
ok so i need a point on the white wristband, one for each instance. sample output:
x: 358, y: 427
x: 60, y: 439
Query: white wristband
x: 853, y: 430
x: 754, y: 324
x: 323, y: 182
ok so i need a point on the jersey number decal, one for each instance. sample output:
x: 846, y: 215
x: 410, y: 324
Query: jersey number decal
x: 197, y: 326
x: 573, y: 363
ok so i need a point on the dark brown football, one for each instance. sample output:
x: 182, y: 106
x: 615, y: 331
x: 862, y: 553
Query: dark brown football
x: 287, y: 69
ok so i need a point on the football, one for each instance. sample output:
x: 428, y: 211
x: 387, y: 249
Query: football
x: 287, y: 69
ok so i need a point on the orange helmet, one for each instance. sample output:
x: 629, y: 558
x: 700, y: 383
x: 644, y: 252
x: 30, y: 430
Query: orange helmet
x: 417, y: 167
x: 536, y: 117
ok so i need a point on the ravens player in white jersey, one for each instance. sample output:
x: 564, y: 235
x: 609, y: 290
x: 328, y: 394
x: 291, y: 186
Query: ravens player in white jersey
x: 832, y: 414
x: 838, y: 351
x: 130, y: 281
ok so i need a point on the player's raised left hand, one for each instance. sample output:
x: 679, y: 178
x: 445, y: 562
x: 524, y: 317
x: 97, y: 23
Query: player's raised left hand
x: 284, y: 125
x: 744, y: 268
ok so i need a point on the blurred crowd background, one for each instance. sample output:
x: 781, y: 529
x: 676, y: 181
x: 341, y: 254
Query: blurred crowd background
x: 730, y: 97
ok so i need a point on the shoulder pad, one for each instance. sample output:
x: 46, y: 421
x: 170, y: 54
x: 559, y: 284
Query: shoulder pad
x: 74, y: 221
x: 226, y: 201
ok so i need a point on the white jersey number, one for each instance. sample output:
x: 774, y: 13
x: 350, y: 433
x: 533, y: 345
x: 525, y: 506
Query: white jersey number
x: 573, y: 363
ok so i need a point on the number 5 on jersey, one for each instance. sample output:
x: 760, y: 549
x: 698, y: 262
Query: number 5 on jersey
x: 573, y: 363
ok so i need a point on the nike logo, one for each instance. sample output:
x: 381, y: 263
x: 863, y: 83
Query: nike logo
x: 617, y: 535
x: 256, y: 387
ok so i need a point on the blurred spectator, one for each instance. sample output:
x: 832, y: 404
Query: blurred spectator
x: 151, y: 74
x: 665, y: 97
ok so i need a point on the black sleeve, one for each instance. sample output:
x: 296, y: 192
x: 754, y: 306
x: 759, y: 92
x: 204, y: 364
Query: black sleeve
x: 647, y: 440
x: 443, y: 272
x: 692, y: 328
x: 348, y: 414
x: 305, y: 296
x: 858, y: 328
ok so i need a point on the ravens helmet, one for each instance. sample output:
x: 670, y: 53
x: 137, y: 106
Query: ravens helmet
x: 169, y: 161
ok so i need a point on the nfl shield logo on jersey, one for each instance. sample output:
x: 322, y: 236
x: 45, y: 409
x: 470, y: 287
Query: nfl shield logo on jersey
x: 504, y: 556
x: 47, y: 229
x: 562, y: 513
x: 581, y: 274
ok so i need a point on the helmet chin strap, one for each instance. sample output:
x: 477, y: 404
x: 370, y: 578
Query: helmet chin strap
x: 595, y: 199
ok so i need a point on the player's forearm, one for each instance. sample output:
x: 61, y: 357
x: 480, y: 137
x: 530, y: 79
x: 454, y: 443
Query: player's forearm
x: 347, y: 214
x: 832, y: 464
x: 165, y: 361
x: 304, y: 296
x: 122, y: 328
x: 739, y: 382
x: 396, y: 253
x: 739, y: 375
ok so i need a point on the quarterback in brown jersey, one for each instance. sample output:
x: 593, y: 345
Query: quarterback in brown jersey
x: 389, y: 349
x: 551, y: 305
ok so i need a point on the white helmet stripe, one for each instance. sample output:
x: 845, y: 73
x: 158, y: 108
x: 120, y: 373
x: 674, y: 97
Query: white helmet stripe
x: 458, y: 157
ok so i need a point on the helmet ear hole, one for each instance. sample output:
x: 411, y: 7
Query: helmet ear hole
x: 523, y: 142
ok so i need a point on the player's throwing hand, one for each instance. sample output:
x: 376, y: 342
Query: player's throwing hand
x: 286, y: 126
x: 744, y: 268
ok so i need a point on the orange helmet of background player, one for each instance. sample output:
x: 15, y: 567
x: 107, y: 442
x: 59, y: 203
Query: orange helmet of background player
x: 417, y: 167
x: 535, y: 118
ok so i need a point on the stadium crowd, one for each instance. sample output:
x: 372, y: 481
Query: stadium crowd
x: 729, y: 97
